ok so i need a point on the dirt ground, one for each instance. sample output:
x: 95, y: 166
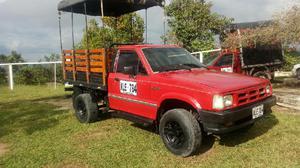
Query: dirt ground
x: 63, y: 103
x: 3, y: 149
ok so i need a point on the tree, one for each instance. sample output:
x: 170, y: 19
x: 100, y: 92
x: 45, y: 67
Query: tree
x: 128, y: 28
x: 13, y: 57
x: 284, y: 28
x: 193, y: 23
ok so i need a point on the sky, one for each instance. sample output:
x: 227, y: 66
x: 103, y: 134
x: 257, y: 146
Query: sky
x: 31, y: 27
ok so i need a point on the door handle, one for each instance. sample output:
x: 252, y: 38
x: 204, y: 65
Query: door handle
x: 117, y: 79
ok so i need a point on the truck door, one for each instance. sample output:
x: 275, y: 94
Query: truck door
x: 224, y: 63
x: 129, y: 86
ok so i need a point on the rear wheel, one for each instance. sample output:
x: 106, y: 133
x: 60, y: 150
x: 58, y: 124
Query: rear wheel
x: 76, y: 92
x: 86, y: 111
x: 298, y: 74
x: 180, y: 132
x: 262, y: 74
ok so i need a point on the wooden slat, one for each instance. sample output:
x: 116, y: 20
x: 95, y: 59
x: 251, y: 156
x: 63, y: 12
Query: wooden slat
x: 69, y: 68
x: 81, y: 69
x: 81, y: 57
x: 87, y: 62
x: 80, y: 63
x: 73, y: 65
x: 96, y: 63
x: 68, y: 57
x: 68, y: 63
x: 67, y: 51
x: 80, y: 51
x: 104, y: 68
x: 97, y: 70
x: 97, y: 50
x: 96, y: 57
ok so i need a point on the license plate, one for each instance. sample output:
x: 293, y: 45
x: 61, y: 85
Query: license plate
x: 128, y: 87
x: 258, y: 111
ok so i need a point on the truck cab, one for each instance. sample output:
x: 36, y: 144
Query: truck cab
x: 224, y: 61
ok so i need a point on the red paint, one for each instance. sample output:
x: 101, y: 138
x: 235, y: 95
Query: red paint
x: 195, y: 87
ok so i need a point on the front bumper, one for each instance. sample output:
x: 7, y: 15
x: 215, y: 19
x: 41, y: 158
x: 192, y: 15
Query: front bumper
x: 233, y: 119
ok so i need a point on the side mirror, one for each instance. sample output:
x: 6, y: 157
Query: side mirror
x: 130, y: 70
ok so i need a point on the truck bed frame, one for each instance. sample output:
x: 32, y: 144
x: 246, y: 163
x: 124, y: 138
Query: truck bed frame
x: 88, y: 68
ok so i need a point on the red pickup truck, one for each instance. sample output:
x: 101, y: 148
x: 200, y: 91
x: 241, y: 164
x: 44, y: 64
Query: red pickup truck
x: 259, y: 61
x: 166, y: 86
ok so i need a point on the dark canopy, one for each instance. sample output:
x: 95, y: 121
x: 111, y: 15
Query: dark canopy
x: 110, y: 7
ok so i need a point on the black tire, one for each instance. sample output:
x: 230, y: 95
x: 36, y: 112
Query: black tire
x: 262, y: 74
x: 76, y: 92
x: 180, y: 132
x: 298, y: 74
x: 86, y: 111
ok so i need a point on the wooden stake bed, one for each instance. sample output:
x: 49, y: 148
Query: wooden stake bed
x: 87, y: 68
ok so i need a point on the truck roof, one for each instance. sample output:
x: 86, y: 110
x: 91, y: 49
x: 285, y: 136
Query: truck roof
x: 114, y: 8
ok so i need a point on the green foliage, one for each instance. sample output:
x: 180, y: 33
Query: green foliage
x: 193, y: 23
x: 32, y: 75
x: 125, y: 29
x: 13, y: 57
x: 291, y: 59
x: 59, y: 71
x: 3, y: 76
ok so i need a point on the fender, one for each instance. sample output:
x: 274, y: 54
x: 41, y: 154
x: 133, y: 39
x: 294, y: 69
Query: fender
x: 182, y: 97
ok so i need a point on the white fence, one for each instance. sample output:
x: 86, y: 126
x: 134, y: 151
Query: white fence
x: 11, y: 75
x: 200, y: 54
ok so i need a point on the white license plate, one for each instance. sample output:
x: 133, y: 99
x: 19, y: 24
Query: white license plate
x: 258, y: 111
x: 128, y: 87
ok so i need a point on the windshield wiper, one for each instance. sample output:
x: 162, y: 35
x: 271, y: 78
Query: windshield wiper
x: 174, y: 67
x: 195, y: 66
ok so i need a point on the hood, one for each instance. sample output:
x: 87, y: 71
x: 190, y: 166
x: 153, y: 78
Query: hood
x: 218, y: 81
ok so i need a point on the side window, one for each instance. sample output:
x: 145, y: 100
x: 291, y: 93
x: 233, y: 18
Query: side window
x: 130, y: 58
x: 141, y: 69
x: 226, y: 60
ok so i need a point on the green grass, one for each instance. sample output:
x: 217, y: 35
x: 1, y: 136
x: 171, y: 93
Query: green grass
x: 40, y: 130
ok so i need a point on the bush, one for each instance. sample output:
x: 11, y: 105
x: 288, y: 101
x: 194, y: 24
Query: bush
x: 30, y: 75
x: 3, y: 76
x: 291, y: 59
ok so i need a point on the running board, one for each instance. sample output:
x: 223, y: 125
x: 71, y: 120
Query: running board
x: 131, y: 117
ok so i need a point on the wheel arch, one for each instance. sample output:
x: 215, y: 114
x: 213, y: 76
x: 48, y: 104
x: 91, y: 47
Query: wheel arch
x: 172, y: 101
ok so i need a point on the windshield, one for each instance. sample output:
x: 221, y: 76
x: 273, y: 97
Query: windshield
x: 168, y: 59
x: 210, y: 58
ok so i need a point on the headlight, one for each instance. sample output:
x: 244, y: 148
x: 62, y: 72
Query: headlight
x: 219, y: 102
x: 268, y: 89
x: 228, y: 100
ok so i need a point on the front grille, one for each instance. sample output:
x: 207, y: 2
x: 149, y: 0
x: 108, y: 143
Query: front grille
x: 250, y: 95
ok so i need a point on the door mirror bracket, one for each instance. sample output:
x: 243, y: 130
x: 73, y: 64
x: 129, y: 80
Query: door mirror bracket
x: 130, y: 70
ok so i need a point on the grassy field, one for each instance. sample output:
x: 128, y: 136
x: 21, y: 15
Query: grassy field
x: 38, y: 129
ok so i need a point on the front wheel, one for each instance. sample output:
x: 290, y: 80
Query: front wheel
x: 180, y: 132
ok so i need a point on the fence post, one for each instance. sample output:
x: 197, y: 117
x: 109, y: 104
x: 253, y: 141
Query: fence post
x: 11, y: 78
x: 201, y: 57
x: 55, y: 76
